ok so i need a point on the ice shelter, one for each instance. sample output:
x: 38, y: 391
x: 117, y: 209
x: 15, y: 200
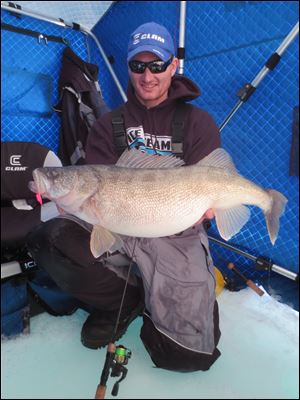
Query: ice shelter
x: 243, y: 55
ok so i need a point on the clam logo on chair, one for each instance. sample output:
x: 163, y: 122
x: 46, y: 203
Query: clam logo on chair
x: 15, y: 163
x: 15, y: 160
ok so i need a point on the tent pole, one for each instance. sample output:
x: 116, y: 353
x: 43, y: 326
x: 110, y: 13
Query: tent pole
x: 245, y: 92
x: 114, y: 76
x: 261, y: 262
x: 181, y: 48
x: 10, y: 7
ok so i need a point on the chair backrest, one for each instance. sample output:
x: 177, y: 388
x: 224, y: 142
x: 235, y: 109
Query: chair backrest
x: 20, y: 211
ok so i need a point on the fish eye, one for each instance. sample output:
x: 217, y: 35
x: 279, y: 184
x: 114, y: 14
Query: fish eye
x: 54, y: 174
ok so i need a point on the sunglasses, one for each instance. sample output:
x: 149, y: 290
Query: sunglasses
x: 155, y: 67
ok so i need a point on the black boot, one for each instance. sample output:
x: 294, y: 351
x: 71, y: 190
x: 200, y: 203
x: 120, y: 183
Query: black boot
x: 98, y: 329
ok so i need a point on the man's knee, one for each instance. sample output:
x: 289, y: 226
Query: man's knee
x: 41, y: 242
x: 50, y: 244
x: 39, y: 238
x: 166, y: 354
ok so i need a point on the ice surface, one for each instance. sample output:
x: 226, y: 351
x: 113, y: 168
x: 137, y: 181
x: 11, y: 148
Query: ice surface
x: 259, y: 346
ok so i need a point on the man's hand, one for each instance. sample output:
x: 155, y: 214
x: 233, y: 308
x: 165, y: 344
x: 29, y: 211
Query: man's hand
x: 209, y: 214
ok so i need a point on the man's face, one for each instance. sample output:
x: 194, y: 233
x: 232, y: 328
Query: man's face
x: 152, y: 89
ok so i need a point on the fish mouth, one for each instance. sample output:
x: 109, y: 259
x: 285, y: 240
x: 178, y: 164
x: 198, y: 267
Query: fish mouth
x: 32, y: 186
x: 38, y: 185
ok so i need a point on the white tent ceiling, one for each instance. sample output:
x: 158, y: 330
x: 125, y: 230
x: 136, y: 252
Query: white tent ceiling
x: 86, y: 13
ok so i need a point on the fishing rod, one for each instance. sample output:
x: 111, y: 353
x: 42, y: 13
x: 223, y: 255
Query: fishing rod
x: 116, y: 356
x: 249, y: 88
x: 261, y: 263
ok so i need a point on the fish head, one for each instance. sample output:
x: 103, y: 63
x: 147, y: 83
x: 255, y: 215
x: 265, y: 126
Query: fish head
x: 53, y: 182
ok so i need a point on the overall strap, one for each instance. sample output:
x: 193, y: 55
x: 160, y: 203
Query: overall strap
x: 119, y: 132
x: 178, y: 126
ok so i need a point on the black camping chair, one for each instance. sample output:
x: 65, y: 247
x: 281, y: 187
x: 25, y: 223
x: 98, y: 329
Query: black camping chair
x: 20, y: 213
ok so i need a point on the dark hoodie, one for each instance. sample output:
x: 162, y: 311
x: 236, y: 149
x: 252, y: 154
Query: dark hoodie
x: 153, y: 127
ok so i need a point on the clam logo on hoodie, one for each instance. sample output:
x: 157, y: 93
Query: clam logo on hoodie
x: 136, y: 137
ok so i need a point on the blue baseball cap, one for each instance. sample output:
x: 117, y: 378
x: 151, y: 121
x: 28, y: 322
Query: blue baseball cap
x: 153, y: 38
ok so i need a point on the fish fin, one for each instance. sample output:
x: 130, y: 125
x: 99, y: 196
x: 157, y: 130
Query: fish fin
x: 219, y: 158
x: 231, y: 221
x: 272, y: 217
x: 103, y: 240
x: 135, y: 158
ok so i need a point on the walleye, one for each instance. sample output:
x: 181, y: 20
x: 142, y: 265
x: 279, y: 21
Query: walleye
x: 151, y: 196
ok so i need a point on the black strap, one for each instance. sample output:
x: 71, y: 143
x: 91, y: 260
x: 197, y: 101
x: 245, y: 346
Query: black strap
x: 178, y: 125
x: 119, y: 132
x: 38, y: 35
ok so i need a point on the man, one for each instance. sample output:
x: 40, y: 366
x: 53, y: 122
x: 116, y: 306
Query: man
x: 180, y: 320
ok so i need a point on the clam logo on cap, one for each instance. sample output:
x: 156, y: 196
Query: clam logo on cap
x: 141, y: 36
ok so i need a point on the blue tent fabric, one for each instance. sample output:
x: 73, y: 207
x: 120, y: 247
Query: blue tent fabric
x: 31, y: 98
x: 294, y: 159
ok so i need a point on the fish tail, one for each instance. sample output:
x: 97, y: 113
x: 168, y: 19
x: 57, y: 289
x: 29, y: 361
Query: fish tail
x: 278, y: 203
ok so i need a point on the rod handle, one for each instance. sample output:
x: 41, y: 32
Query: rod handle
x: 100, y: 392
x: 248, y: 282
x: 254, y: 287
